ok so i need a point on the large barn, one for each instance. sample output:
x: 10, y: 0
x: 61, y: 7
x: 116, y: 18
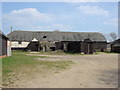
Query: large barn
x: 71, y: 42
x: 5, y: 49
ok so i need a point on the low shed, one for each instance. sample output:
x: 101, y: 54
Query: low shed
x: 115, y: 46
x: 5, y: 49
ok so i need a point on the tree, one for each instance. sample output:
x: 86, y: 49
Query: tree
x: 110, y: 36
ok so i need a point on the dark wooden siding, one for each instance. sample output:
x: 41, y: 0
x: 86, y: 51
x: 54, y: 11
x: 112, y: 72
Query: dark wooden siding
x: 3, y: 45
x: 59, y: 46
x: 94, y: 46
x: 69, y: 46
x: 33, y: 46
x: 115, y: 46
x: 74, y: 47
x: 115, y: 49
x: 0, y: 44
x: 80, y: 47
x: 101, y: 46
x: 87, y: 47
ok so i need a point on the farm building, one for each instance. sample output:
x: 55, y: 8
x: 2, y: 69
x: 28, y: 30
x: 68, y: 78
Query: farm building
x: 71, y: 42
x: 5, y: 49
x: 115, y: 46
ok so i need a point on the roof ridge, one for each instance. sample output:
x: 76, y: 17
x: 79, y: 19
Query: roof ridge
x: 54, y: 31
x: 53, y: 35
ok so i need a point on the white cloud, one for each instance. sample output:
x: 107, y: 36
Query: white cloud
x: 32, y: 19
x: 47, y: 27
x: 93, y: 10
x: 27, y: 16
x: 113, y: 22
x: 55, y: 27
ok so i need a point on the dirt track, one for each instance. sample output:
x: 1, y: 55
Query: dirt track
x: 89, y: 71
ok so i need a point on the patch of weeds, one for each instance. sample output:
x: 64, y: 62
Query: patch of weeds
x: 44, y: 57
x: 57, y: 64
x: 56, y: 72
x: 63, y: 53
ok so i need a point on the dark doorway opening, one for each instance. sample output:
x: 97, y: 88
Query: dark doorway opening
x: 52, y: 48
x: 73, y: 47
x: 33, y: 46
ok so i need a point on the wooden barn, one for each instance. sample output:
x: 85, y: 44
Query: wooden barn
x: 115, y: 46
x: 5, y: 49
x: 70, y: 42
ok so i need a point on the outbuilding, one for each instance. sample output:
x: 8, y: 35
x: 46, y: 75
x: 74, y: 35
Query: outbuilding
x: 115, y: 46
x: 5, y: 48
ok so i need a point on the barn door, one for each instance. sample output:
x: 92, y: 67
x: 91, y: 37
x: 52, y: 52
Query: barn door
x: 88, y: 46
x: 73, y: 47
x: 91, y: 48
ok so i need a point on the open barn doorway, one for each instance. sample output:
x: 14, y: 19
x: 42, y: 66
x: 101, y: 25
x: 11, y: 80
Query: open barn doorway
x: 33, y: 46
x: 73, y: 47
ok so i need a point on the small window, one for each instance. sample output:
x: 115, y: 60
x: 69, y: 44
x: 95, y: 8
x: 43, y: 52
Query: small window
x: 19, y: 42
x: 44, y: 36
x: 52, y: 48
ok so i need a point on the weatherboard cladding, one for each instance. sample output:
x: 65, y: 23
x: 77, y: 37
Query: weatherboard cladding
x: 3, y: 44
x: 55, y: 36
x: 116, y: 43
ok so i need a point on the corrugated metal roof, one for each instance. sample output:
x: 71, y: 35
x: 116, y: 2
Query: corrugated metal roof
x: 55, y: 36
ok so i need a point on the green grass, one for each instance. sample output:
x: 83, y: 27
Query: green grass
x: 53, y: 53
x: 61, y: 53
x: 19, y: 61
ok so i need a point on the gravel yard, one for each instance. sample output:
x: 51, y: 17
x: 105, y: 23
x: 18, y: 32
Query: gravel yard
x: 63, y: 71
x: 88, y: 71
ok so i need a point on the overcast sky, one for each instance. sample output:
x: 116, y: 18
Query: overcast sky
x: 64, y: 16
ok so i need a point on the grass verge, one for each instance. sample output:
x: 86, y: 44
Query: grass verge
x: 19, y: 63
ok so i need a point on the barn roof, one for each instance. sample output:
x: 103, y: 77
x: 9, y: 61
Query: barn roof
x: 116, y: 42
x: 55, y: 36
x: 3, y: 35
